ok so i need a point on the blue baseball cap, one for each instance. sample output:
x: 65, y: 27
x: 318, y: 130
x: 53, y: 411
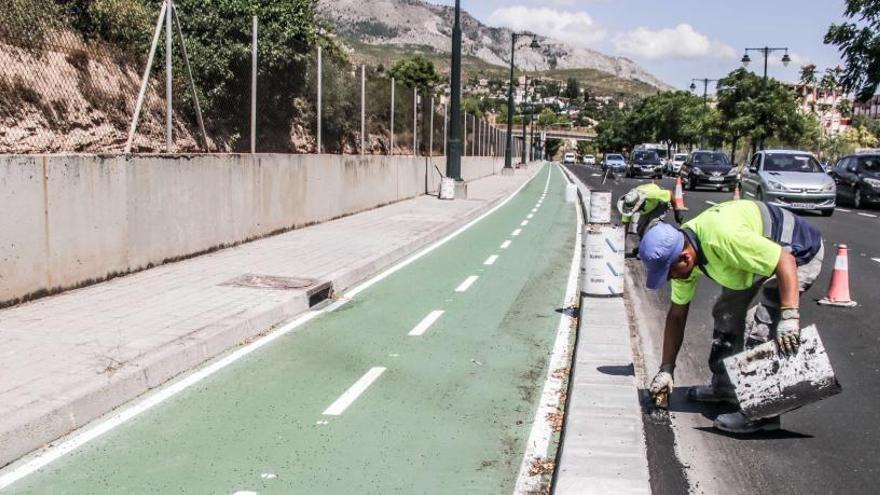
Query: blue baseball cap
x: 659, y: 250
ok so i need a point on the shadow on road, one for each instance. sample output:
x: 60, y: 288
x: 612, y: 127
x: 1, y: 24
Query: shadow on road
x: 617, y: 370
x: 770, y: 435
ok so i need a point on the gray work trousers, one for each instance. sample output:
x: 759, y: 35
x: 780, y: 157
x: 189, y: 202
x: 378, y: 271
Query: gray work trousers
x: 746, y: 318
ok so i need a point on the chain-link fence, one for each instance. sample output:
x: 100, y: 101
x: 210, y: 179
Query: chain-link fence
x: 69, y: 85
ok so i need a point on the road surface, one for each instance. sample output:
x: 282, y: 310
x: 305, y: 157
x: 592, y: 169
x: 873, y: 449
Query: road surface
x: 829, y: 447
x: 426, y: 382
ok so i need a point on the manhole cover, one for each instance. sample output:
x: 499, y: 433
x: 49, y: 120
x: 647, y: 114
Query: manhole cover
x: 269, y: 282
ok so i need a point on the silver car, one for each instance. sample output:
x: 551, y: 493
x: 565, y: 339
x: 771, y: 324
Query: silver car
x: 790, y: 179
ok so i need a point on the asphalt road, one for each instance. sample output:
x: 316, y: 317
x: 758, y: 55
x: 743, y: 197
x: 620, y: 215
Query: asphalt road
x: 427, y: 381
x: 829, y: 447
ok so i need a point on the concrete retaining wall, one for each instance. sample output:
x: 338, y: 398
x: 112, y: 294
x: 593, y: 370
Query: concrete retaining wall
x: 72, y: 220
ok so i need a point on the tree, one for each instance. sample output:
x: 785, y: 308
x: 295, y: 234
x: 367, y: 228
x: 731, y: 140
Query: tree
x: 859, y: 45
x: 416, y: 72
x: 572, y: 89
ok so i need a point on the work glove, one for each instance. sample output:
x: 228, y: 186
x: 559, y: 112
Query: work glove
x: 788, y: 332
x: 661, y: 384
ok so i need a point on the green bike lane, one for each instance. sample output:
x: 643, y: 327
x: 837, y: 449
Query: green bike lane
x: 447, y: 411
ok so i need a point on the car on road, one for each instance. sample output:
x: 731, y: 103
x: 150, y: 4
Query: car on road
x: 858, y: 179
x: 569, y: 158
x: 614, y: 161
x: 673, y: 167
x: 645, y: 163
x: 708, y: 169
x: 589, y: 160
x: 790, y: 179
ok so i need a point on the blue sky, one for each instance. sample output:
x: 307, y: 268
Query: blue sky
x: 678, y: 40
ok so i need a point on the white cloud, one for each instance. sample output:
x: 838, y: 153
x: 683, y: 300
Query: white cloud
x: 575, y: 28
x: 680, y: 42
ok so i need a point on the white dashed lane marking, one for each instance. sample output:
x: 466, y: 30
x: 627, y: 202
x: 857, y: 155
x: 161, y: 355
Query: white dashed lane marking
x: 468, y: 282
x: 516, y: 232
x: 426, y: 323
x: 491, y: 260
x: 844, y: 210
x: 506, y: 244
x: 524, y: 223
x: 867, y: 215
x: 346, y: 399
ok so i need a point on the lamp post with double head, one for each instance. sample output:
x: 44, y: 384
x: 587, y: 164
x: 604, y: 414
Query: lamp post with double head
x: 508, y: 151
x: 765, y: 51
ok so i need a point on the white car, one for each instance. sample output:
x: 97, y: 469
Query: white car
x: 673, y: 167
x: 589, y: 160
x: 569, y: 159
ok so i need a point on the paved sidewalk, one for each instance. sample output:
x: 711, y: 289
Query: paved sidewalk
x: 69, y: 359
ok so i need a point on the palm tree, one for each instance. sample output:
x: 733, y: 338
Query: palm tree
x: 808, y: 80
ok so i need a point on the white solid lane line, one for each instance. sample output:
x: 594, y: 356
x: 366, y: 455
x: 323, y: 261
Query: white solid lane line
x: 425, y: 324
x: 506, y: 244
x: 867, y: 215
x: 524, y: 223
x: 341, y: 404
x: 516, y: 232
x: 468, y: 282
x: 844, y: 210
x: 491, y: 260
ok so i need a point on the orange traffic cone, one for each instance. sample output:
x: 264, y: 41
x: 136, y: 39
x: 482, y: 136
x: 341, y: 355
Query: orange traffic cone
x: 736, y: 193
x: 678, y: 197
x: 838, y: 291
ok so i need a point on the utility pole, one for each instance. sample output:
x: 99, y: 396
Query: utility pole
x: 453, y: 155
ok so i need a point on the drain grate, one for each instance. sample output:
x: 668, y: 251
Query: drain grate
x: 317, y: 290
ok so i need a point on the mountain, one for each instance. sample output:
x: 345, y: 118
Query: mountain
x: 420, y: 26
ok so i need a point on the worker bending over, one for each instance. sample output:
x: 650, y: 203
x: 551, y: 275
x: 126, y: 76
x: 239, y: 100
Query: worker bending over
x: 646, y: 205
x: 755, y: 252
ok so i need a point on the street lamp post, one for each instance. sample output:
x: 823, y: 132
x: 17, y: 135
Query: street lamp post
x: 705, y: 82
x: 453, y: 155
x: 508, y: 151
x: 766, y: 51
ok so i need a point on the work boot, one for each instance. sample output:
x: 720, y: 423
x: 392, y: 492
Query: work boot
x: 739, y: 424
x: 711, y: 393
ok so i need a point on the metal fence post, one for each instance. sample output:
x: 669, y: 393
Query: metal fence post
x: 254, y: 42
x: 431, y: 132
x: 145, y: 79
x: 391, y: 146
x: 415, y: 121
x: 445, y: 126
x: 479, y: 137
x: 320, y: 99
x: 169, y: 109
x: 465, y: 136
x: 363, y: 109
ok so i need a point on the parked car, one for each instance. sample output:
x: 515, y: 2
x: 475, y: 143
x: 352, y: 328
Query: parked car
x: 708, y: 168
x: 589, y: 160
x: 673, y: 167
x: 569, y: 158
x: 645, y: 163
x: 790, y: 179
x: 858, y: 179
x: 615, y: 162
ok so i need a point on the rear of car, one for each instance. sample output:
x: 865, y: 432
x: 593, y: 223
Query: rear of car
x: 615, y: 162
x: 589, y: 160
x: 858, y: 179
x: 674, y: 165
x: 709, y: 169
x: 569, y: 158
x: 790, y: 179
x: 645, y: 163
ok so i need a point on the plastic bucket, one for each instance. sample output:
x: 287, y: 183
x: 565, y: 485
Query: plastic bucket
x: 604, y: 261
x: 600, y: 207
x: 447, y: 188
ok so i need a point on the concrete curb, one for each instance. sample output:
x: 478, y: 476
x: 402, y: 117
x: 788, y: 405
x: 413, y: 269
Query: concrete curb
x: 31, y: 428
x: 603, y: 444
